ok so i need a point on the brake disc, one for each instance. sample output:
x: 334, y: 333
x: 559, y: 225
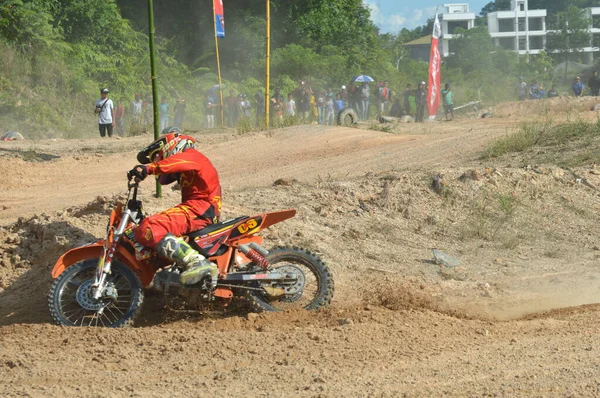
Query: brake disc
x: 84, y: 298
x: 293, y: 291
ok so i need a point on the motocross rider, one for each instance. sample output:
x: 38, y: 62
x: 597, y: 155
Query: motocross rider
x: 173, y: 157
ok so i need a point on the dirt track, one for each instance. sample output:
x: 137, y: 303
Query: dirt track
x: 422, y: 334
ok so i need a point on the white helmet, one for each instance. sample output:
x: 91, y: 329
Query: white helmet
x: 343, y: 87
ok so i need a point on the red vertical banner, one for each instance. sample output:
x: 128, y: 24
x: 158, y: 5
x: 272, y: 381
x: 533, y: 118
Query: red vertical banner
x: 435, y: 64
x: 220, y: 28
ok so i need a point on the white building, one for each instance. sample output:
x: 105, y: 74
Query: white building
x: 521, y: 30
x: 456, y: 16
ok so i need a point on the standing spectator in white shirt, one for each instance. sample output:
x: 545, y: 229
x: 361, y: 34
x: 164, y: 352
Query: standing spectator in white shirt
x: 105, y: 110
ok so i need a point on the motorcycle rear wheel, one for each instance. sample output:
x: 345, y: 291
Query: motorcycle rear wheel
x: 71, y: 305
x: 318, y: 288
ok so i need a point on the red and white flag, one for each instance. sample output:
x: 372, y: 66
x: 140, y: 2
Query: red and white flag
x: 435, y: 63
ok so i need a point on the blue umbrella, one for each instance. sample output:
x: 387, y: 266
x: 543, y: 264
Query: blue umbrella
x: 363, y: 79
x: 215, y: 88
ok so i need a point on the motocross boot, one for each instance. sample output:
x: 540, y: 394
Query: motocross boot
x: 196, y: 266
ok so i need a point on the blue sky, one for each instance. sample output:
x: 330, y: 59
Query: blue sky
x: 393, y: 15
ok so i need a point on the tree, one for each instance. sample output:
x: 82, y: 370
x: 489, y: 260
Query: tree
x: 472, y: 50
x: 27, y: 24
x: 570, y: 34
x: 554, y: 6
x: 493, y: 6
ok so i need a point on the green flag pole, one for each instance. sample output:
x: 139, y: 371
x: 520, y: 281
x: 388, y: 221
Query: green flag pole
x: 153, y: 79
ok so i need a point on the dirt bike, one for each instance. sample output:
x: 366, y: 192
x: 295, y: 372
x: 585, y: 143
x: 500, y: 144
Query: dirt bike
x: 102, y: 283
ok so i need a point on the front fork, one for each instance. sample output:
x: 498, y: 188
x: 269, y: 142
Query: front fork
x: 105, y: 262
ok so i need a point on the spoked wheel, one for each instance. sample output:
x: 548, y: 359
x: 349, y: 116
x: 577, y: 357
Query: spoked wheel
x: 71, y: 302
x: 313, y: 287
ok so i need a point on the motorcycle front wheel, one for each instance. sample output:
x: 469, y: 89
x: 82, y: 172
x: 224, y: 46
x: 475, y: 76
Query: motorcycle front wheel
x: 71, y: 302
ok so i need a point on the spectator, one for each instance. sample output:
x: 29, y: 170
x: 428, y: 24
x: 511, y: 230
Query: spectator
x: 407, y: 94
x: 534, y: 91
x: 231, y: 106
x: 120, y: 118
x: 353, y: 100
x: 396, y: 110
x: 522, y: 89
x: 163, y: 111
x: 329, y: 109
x: 210, y: 112
x: 552, y: 93
x: 384, y: 97
x: 179, y: 112
x: 448, y: 99
x: 245, y: 106
x: 136, y: 109
x: 320, y: 99
x: 304, y: 104
x: 329, y: 95
x: 314, y: 111
x: 344, y: 95
x: 365, y: 99
x: 412, y: 104
x: 594, y: 84
x: 277, y: 106
x: 420, y: 100
x: 105, y: 110
x: 278, y: 95
x: 290, y: 106
x: 148, y: 106
x: 578, y: 87
x: 339, y: 104
x: 259, y: 100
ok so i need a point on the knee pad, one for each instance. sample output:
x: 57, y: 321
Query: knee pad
x: 169, y: 247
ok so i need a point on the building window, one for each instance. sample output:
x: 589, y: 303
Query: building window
x: 536, y: 43
x: 522, y: 6
x: 522, y: 43
x: 522, y: 25
x: 453, y: 25
x: 508, y: 43
x: 506, y: 25
x: 536, y: 24
x: 596, y: 41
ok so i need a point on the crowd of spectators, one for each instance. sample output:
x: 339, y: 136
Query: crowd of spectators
x: 304, y: 104
x: 534, y: 91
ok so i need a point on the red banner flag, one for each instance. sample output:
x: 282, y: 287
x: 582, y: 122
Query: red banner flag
x: 435, y: 63
x: 218, y: 7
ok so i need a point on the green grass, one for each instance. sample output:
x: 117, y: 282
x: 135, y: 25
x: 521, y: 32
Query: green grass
x: 545, y: 134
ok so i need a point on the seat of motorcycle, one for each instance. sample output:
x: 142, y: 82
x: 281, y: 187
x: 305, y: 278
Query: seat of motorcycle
x: 215, y: 227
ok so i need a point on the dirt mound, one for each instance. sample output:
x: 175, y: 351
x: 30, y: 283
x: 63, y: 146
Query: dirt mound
x: 549, y: 107
x: 28, y: 250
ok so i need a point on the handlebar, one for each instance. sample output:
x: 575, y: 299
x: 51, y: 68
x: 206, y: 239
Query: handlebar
x: 133, y: 185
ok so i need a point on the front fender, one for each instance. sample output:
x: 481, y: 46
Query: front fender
x: 94, y: 250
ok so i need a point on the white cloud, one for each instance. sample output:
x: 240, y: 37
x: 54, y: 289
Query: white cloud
x: 393, y: 23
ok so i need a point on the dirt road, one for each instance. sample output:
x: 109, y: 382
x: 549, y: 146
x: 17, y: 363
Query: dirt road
x: 399, y: 325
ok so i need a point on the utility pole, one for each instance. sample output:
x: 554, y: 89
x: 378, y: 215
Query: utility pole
x: 268, y: 66
x: 153, y: 79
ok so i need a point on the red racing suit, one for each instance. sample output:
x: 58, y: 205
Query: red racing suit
x: 200, y: 197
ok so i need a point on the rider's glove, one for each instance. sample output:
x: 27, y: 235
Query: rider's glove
x: 139, y: 172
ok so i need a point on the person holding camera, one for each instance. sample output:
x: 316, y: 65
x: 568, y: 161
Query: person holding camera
x: 105, y: 110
